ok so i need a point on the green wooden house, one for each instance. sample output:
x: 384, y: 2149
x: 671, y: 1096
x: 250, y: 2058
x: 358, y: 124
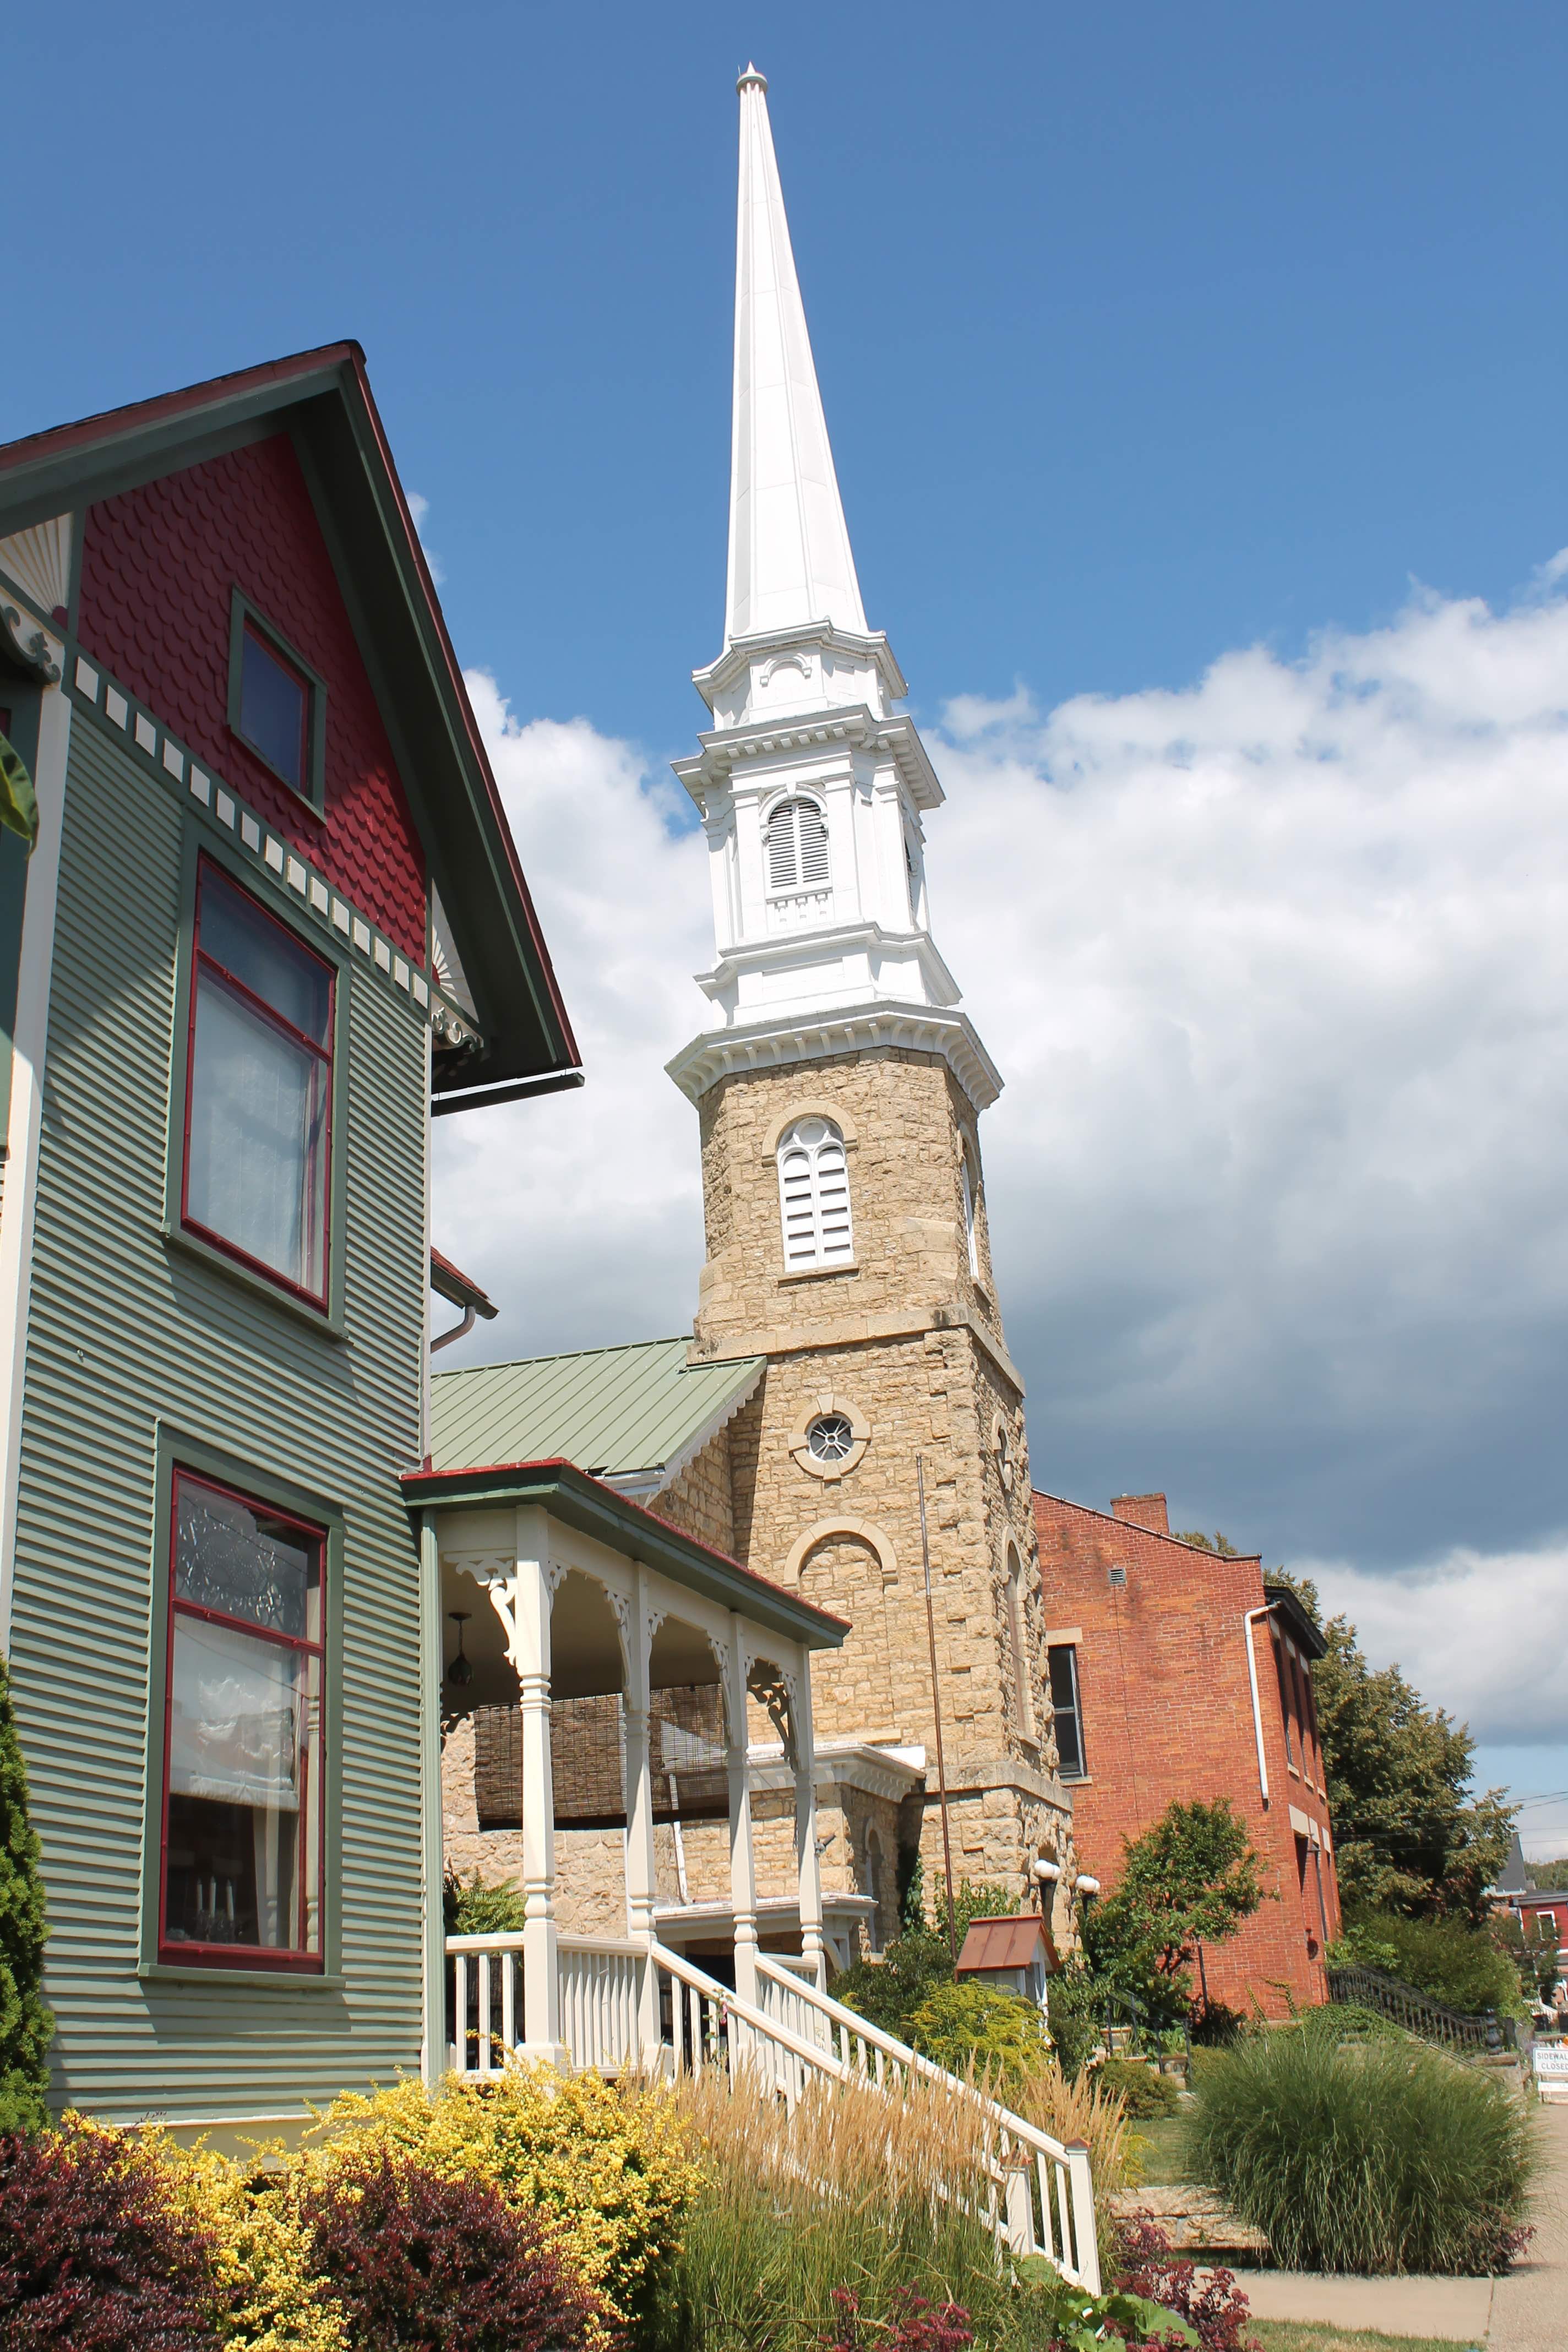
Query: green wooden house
x: 273, y: 919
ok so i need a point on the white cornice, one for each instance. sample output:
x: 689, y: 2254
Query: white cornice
x: 771, y: 1045
x: 726, y: 749
x: 738, y: 655
x: 818, y: 948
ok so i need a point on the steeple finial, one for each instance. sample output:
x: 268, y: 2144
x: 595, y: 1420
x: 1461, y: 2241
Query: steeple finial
x: 790, y: 560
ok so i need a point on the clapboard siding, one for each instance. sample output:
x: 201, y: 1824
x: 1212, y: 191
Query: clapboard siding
x: 127, y: 1331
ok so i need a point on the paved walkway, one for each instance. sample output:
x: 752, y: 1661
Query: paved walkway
x: 1526, y: 2311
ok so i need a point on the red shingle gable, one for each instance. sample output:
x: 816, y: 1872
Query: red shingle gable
x: 158, y: 566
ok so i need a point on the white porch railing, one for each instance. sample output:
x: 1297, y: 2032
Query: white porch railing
x: 1047, y: 2194
x: 1040, y: 2197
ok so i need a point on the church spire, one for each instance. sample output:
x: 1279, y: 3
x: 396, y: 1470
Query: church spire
x: 790, y: 560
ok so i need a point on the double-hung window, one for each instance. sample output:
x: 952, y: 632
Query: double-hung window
x: 258, y: 1090
x: 1067, y: 1708
x: 243, y: 1780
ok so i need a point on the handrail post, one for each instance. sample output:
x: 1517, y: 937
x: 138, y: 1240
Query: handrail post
x: 1086, y: 2245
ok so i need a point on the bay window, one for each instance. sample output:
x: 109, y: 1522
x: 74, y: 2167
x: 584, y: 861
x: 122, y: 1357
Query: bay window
x: 258, y: 1090
x: 244, y: 1784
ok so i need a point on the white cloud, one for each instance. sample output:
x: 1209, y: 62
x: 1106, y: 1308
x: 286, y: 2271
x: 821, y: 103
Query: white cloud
x: 1277, y: 969
x: 583, y: 1212
x: 1483, y: 1633
x: 420, y: 507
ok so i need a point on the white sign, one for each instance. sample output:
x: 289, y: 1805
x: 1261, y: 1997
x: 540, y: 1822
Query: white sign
x: 1550, y: 2060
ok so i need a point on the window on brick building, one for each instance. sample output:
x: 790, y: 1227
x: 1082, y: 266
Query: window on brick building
x: 1067, y: 1707
x: 1287, y: 1704
x: 814, y: 1196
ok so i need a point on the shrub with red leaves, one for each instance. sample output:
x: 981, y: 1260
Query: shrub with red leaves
x: 92, y: 2256
x: 913, y: 2326
x: 413, y: 2259
x: 1218, y: 2310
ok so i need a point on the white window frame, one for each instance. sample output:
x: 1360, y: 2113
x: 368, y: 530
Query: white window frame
x: 814, y: 1196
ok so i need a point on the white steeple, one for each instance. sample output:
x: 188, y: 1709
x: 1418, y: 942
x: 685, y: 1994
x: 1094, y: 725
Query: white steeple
x: 789, y: 548
x: 812, y: 784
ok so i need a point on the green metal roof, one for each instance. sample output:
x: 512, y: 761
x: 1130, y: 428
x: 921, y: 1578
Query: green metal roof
x: 632, y: 1415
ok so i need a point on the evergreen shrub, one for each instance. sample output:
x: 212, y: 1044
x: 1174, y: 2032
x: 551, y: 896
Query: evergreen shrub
x: 26, y: 2027
x: 1144, y: 2093
x: 414, y: 2258
x: 998, y: 2034
x: 1386, y: 2158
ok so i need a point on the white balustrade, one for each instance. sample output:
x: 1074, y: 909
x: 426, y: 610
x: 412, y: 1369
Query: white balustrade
x: 1038, y: 2197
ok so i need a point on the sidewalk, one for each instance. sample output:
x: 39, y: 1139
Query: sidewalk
x: 1526, y: 2311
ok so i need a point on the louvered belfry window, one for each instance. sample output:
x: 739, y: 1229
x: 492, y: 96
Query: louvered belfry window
x: 797, y: 846
x: 814, y: 1196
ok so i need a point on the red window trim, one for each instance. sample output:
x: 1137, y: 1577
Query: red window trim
x: 241, y: 1956
x: 327, y: 1054
x: 274, y: 653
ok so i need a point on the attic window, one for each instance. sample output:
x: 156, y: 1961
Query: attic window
x: 276, y: 704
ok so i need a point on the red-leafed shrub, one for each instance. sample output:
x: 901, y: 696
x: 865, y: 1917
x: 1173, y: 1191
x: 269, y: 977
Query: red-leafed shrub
x: 1217, y: 2307
x: 91, y: 2255
x: 413, y: 2258
x: 912, y: 2325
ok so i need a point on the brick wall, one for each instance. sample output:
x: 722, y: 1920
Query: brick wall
x: 1167, y: 1714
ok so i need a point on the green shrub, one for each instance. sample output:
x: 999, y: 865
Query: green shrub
x: 472, y: 1908
x: 1000, y: 2035
x: 888, y: 1991
x: 1386, y: 2158
x: 1078, y: 2018
x: 1462, y: 1967
x: 1144, y: 2093
x: 26, y: 2027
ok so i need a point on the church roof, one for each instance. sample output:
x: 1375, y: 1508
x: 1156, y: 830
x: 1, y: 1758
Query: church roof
x: 633, y: 1416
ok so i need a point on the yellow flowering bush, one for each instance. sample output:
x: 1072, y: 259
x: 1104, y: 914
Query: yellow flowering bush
x: 608, y: 2171
x: 265, y: 2296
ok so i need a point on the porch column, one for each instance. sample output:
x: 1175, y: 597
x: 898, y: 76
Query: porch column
x: 641, y: 1871
x: 532, y: 1594
x: 812, y: 1947
x: 743, y: 1864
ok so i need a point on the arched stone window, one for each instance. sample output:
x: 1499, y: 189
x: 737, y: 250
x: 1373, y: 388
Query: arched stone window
x: 814, y: 1196
x: 1017, y: 1642
x: 797, y: 846
x: 971, y: 1238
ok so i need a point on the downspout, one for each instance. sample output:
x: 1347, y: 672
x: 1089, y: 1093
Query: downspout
x: 1248, y: 1621
x: 459, y: 1330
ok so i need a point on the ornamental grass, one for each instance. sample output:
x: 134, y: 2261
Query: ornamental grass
x: 870, y: 2193
x: 1381, y: 2158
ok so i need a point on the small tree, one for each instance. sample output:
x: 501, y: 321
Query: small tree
x: 25, y: 2025
x: 1192, y: 1878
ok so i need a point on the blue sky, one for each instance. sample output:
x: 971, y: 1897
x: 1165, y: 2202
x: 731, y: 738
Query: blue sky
x: 1147, y: 335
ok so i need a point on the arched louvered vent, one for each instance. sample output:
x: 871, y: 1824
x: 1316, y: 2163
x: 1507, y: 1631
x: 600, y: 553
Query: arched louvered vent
x: 797, y: 846
x: 814, y: 1196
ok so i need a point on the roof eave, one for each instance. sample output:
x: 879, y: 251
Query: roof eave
x: 598, y: 1510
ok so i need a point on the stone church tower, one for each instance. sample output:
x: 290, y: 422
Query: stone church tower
x: 839, y: 1086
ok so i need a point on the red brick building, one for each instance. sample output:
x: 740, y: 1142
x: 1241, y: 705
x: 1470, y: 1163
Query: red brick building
x: 1178, y: 1673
